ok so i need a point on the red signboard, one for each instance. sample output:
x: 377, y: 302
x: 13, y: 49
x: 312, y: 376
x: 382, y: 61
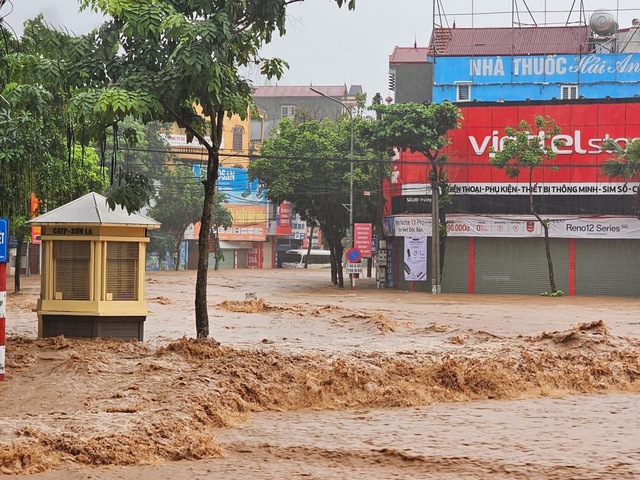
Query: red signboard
x: 283, y: 226
x: 362, y: 238
x: 579, y: 161
x: 254, y: 257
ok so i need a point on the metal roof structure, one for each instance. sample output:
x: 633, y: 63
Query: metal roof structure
x: 299, y: 91
x: 537, y: 40
x: 409, y: 55
x: 92, y: 209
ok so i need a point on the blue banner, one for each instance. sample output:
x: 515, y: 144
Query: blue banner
x: 4, y: 240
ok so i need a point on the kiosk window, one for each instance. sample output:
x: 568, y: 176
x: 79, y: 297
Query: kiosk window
x: 71, y: 269
x: 122, y: 270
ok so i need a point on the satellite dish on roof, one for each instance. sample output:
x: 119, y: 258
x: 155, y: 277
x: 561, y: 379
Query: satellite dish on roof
x: 603, y: 23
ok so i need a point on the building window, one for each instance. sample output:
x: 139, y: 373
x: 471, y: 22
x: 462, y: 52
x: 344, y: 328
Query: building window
x: 287, y: 111
x: 568, y: 92
x: 122, y: 270
x: 238, y: 135
x: 463, y: 92
x: 71, y: 269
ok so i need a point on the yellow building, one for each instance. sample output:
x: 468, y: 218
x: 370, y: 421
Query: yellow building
x: 238, y: 142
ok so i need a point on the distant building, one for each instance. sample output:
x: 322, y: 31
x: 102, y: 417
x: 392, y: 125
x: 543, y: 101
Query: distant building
x: 410, y: 74
x: 278, y: 102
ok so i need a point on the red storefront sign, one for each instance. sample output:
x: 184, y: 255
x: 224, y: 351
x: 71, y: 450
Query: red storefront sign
x: 254, y: 256
x: 579, y: 161
x: 362, y: 238
x: 283, y: 226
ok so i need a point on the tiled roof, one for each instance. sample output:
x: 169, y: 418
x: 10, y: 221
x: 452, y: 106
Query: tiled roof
x: 510, y: 41
x: 299, y: 91
x: 409, y: 55
x: 92, y: 209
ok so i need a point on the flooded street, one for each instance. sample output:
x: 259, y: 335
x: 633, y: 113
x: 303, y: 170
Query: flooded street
x: 311, y: 381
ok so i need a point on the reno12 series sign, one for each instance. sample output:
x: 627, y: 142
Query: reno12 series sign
x: 578, y: 164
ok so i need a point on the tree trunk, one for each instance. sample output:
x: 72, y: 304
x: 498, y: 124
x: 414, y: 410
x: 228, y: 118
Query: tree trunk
x: 545, y: 228
x: 202, y: 314
x: 16, y: 278
x: 336, y: 260
x: 216, y: 255
x: 306, y: 258
x: 178, y: 255
x: 552, y: 279
x: 442, y: 212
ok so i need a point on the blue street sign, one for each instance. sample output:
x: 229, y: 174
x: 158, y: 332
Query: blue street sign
x: 4, y: 240
x: 353, y: 255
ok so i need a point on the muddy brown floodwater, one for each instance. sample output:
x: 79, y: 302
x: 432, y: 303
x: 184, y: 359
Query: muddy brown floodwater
x: 315, y: 382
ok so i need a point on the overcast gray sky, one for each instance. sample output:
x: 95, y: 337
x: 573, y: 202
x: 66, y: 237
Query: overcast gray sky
x: 325, y: 45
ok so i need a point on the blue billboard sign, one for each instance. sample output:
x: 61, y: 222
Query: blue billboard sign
x: 235, y: 184
x: 537, y: 77
x: 4, y: 240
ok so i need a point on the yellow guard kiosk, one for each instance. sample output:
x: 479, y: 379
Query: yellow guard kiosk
x: 93, y: 270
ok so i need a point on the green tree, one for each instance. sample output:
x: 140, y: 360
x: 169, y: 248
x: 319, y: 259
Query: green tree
x: 422, y: 128
x: 178, y: 204
x: 307, y: 165
x: 625, y: 164
x: 221, y: 217
x: 60, y: 181
x: 528, y: 147
x: 179, y: 60
x: 43, y: 157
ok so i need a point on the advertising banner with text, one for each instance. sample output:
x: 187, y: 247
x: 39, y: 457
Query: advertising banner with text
x: 602, y: 227
x: 362, y: 238
x: 415, y: 259
x: 577, y: 167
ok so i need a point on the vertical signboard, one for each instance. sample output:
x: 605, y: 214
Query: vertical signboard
x: 362, y: 238
x: 254, y: 258
x: 4, y: 258
x: 415, y: 259
x: 4, y: 240
x: 284, y: 219
x: 35, y: 231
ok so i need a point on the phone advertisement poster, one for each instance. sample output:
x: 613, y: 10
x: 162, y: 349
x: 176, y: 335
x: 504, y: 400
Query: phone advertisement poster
x: 415, y: 259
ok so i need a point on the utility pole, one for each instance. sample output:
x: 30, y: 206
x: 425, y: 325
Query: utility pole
x: 435, y: 229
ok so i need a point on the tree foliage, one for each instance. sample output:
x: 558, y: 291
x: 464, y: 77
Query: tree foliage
x: 625, y: 164
x: 307, y: 164
x: 529, y: 147
x: 34, y: 157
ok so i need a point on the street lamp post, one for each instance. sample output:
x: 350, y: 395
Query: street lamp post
x: 352, y: 279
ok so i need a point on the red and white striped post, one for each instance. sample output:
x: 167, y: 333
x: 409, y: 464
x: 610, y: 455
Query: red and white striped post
x: 3, y: 321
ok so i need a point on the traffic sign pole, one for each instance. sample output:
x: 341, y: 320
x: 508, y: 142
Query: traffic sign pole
x: 3, y: 309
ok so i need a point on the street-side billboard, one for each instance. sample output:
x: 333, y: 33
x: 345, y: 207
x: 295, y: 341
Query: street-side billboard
x: 520, y: 226
x: 247, y: 202
x: 579, y: 161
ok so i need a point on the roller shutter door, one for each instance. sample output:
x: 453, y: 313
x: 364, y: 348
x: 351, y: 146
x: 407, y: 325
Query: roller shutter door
x: 456, y: 266
x: 519, y: 265
x: 608, y: 267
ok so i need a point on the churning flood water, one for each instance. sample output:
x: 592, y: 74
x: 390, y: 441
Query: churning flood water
x: 312, y: 382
